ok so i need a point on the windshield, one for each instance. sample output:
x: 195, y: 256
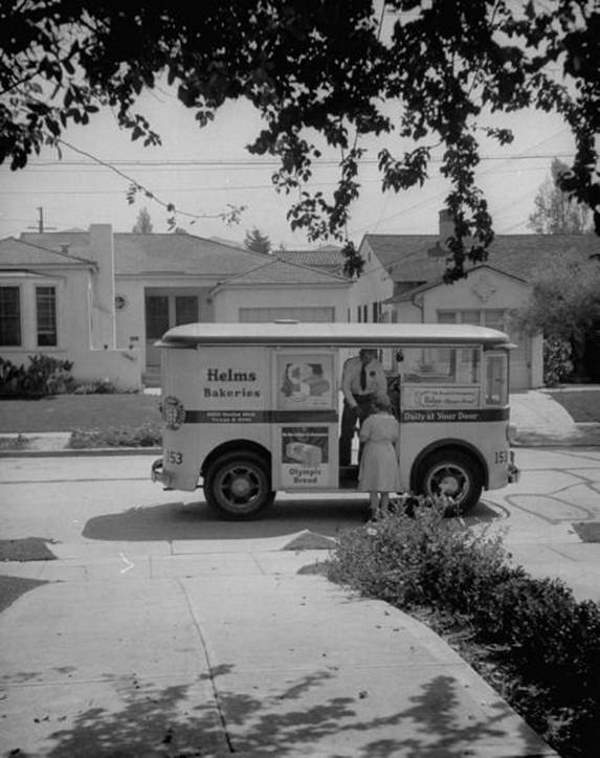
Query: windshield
x: 441, y: 365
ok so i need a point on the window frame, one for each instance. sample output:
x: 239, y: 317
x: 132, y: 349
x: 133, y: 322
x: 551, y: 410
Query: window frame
x: 18, y: 318
x: 53, y: 316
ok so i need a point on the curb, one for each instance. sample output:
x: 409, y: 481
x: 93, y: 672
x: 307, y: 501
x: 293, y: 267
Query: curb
x: 553, y: 443
x: 87, y: 451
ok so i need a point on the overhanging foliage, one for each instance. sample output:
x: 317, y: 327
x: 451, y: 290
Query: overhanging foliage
x: 325, y: 65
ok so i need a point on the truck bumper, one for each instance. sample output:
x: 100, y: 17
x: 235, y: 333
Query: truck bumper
x: 514, y: 473
x: 158, y: 474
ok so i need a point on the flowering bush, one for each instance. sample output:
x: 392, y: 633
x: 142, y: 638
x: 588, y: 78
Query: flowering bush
x: 147, y: 435
x: 558, y: 365
x: 45, y: 375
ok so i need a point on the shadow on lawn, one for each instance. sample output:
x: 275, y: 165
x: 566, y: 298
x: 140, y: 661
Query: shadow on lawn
x: 210, y: 718
x: 195, y: 521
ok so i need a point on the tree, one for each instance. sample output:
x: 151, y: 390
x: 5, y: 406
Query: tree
x: 258, y: 242
x: 555, y: 212
x: 316, y: 67
x: 565, y: 303
x: 143, y: 225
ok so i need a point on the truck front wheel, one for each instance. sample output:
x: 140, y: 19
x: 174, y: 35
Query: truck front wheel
x: 238, y: 485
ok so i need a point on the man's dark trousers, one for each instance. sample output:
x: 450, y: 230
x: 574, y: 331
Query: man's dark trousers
x: 350, y: 415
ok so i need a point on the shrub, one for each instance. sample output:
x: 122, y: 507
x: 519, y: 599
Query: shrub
x: 147, y: 435
x: 558, y: 365
x: 96, y: 387
x: 45, y: 375
x: 545, y: 642
x: 421, y: 560
x: 18, y: 442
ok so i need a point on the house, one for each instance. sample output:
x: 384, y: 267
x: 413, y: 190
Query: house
x: 101, y: 299
x: 486, y: 296
x: 369, y: 291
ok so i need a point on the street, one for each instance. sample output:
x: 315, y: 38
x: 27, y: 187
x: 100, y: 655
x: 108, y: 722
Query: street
x: 162, y: 630
x: 106, y: 509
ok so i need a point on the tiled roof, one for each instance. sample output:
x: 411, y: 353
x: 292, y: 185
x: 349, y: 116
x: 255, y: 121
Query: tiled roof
x: 139, y: 254
x: 17, y: 252
x: 276, y: 271
x: 406, y: 257
x: 180, y: 253
x: 160, y: 253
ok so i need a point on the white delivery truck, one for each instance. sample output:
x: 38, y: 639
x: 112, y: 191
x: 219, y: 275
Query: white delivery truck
x: 250, y: 409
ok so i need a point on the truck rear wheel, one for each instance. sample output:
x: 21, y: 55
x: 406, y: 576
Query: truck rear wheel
x: 238, y: 485
x: 453, y: 473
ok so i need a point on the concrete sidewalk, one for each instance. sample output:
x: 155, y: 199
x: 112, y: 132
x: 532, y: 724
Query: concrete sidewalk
x: 207, y: 655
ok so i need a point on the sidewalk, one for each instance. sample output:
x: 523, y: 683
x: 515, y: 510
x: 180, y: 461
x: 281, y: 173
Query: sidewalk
x: 204, y: 654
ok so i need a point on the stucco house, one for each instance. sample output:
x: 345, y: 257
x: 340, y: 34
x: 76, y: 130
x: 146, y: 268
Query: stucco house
x: 369, y: 291
x: 101, y: 298
x: 487, y: 296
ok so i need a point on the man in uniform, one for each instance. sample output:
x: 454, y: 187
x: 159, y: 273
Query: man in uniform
x: 363, y: 378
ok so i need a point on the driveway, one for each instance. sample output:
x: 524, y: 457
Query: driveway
x: 550, y: 519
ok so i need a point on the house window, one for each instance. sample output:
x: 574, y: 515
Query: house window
x: 491, y: 317
x: 375, y: 313
x: 10, y: 317
x: 365, y: 313
x: 304, y: 314
x: 157, y: 316
x: 186, y: 309
x: 45, y: 302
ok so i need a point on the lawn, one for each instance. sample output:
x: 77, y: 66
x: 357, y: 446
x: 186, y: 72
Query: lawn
x: 583, y: 405
x: 65, y: 413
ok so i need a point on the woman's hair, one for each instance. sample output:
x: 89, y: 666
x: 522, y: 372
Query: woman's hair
x: 381, y: 404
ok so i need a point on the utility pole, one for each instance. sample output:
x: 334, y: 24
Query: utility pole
x: 40, y: 227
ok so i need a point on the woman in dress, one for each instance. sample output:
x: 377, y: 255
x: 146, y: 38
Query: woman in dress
x: 378, y: 472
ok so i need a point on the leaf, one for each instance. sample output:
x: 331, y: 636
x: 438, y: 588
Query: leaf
x: 52, y: 126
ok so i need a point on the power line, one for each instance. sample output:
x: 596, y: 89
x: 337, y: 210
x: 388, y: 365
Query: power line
x: 266, y: 164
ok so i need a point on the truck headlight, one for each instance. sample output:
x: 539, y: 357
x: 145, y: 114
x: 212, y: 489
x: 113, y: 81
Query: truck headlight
x: 172, y: 412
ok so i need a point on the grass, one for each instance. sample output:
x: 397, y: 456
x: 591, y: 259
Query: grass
x: 67, y: 413
x: 12, y: 587
x: 583, y: 405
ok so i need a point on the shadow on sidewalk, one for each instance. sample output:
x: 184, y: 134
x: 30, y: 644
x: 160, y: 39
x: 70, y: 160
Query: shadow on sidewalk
x: 271, y: 721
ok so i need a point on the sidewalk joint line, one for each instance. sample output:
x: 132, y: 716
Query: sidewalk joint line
x: 211, y: 673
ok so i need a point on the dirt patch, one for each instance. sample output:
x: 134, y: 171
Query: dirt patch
x: 310, y: 541
x: 12, y: 587
x: 26, y: 549
x: 588, y: 531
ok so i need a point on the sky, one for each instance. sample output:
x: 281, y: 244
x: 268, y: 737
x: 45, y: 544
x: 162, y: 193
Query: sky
x: 203, y: 170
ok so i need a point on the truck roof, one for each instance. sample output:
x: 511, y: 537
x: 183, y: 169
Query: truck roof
x: 336, y: 334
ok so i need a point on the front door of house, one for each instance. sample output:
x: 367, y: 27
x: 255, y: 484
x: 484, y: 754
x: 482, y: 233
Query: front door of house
x: 165, y: 310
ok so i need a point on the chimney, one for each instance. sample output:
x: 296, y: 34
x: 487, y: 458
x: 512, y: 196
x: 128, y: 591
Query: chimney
x: 446, y: 226
x: 101, y: 249
x: 446, y: 229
